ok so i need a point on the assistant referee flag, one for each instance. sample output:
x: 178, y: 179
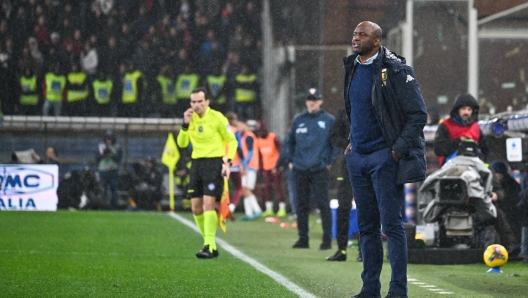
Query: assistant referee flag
x: 223, y: 208
x: 170, y: 158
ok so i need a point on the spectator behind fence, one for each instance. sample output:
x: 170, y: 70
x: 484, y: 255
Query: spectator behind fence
x: 109, y: 161
x: 76, y: 92
x: 215, y: 83
x: 51, y: 157
x: 246, y: 92
x: 103, y: 34
x: 54, y: 87
x: 165, y: 93
x: 133, y: 93
x: 185, y: 84
x: 89, y: 59
x: 29, y: 95
x: 102, y: 96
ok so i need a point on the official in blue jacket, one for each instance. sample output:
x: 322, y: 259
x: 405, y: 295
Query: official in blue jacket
x: 387, y: 116
x: 310, y: 157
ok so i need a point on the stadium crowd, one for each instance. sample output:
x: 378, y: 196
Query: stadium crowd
x: 127, y: 58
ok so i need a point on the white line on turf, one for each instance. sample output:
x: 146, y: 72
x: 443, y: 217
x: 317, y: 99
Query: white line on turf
x: 255, y: 264
x: 431, y: 288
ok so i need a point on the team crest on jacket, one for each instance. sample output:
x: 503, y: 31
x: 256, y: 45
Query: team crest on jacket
x: 321, y: 124
x: 384, y: 77
x: 200, y: 129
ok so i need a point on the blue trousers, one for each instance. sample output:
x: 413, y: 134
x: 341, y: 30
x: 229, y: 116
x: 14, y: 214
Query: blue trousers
x: 307, y: 182
x: 379, y: 202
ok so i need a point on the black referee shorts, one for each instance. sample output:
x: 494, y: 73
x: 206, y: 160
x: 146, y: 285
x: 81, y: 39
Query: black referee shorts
x: 206, y: 178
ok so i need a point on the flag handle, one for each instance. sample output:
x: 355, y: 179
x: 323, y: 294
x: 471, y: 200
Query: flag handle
x: 171, y: 189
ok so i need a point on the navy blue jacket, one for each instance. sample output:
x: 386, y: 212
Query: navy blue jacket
x: 399, y: 108
x: 308, y: 144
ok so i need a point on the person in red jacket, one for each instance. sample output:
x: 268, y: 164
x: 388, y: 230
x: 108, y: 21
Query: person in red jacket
x: 461, y: 126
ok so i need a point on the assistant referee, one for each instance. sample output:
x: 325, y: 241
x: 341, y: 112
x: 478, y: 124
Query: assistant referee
x: 208, y: 132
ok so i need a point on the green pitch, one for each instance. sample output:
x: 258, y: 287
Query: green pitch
x: 141, y: 254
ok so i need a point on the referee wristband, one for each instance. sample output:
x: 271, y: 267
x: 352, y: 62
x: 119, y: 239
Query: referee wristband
x: 185, y: 126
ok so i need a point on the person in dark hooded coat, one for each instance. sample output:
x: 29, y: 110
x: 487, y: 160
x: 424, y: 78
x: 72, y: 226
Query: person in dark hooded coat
x: 510, y: 203
x: 461, y: 126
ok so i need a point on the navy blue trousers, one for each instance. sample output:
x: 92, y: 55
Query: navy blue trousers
x: 379, y: 201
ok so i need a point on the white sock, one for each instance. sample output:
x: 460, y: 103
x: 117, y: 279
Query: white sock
x: 247, y: 206
x: 254, y: 204
x: 282, y: 206
x: 269, y: 206
x: 232, y: 207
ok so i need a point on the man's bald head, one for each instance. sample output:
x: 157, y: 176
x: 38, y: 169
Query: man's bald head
x: 366, y: 40
x: 376, y: 29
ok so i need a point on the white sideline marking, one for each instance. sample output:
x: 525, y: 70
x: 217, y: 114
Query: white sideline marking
x: 431, y: 288
x: 255, y: 264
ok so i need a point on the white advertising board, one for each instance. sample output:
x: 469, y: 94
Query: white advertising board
x: 29, y: 187
x: 514, y: 149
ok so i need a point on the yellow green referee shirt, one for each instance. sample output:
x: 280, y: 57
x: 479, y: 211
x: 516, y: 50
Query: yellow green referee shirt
x: 209, y: 135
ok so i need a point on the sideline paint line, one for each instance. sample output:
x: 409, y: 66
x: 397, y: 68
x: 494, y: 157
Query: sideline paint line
x: 431, y: 288
x: 255, y: 264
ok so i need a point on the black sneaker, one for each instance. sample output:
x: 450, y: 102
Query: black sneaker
x: 205, y: 253
x: 301, y: 244
x: 393, y: 295
x: 366, y: 295
x: 325, y: 246
x: 339, y: 256
x: 215, y: 253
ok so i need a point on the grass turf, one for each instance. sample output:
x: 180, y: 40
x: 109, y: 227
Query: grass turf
x: 129, y: 254
x: 108, y: 254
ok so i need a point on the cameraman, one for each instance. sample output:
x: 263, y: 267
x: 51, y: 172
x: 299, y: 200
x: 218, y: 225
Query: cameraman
x: 108, y: 161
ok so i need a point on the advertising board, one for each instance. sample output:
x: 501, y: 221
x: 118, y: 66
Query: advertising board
x: 29, y: 187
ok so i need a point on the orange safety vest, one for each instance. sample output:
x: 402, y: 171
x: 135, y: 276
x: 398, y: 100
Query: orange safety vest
x: 236, y: 160
x: 254, y: 162
x: 268, y: 150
